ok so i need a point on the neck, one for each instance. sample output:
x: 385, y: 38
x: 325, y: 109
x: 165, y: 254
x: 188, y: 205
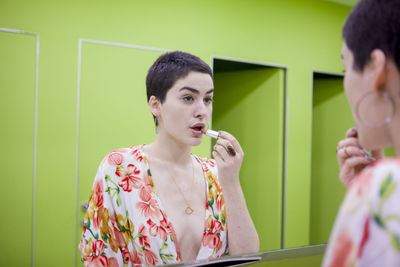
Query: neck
x: 168, y: 149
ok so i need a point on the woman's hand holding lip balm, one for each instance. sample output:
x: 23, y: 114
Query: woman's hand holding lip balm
x: 214, y: 134
x: 228, y: 155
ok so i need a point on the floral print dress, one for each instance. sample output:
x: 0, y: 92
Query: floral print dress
x: 367, y: 229
x: 125, y: 222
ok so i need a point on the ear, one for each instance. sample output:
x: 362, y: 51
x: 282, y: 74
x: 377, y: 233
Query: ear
x: 154, y: 105
x: 379, y: 68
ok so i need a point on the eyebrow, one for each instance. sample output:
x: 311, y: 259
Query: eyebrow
x: 195, y: 90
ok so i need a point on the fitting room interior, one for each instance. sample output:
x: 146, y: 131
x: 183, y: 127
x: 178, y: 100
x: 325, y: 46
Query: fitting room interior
x: 73, y: 88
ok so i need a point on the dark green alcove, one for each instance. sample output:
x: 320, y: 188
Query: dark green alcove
x: 250, y: 104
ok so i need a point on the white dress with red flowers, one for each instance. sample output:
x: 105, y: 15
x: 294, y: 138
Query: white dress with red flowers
x: 367, y: 228
x: 125, y: 222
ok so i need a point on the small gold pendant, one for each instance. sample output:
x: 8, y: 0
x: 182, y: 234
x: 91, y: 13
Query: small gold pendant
x: 188, y: 210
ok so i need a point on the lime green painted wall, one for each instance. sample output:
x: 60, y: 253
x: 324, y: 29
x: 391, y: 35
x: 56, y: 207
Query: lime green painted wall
x: 331, y: 119
x: 17, y: 106
x: 114, y: 118
x: 302, y: 35
x: 249, y: 104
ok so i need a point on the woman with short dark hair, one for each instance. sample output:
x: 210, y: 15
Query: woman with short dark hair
x: 158, y: 203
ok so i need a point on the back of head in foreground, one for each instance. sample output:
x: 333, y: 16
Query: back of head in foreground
x: 367, y: 228
x: 371, y: 56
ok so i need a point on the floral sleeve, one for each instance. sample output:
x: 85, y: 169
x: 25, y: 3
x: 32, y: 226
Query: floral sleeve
x: 100, y: 243
x: 367, y: 228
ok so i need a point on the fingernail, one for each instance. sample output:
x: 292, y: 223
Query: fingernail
x: 354, y: 129
x: 371, y: 159
x: 366, y: 152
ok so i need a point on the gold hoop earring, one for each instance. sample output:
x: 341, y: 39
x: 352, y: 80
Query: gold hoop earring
x: 375, y: 110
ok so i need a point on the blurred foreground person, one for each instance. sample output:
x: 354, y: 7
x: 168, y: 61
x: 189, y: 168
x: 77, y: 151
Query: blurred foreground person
x: 367, y: 228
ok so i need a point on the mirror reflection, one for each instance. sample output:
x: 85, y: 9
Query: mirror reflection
x: 87, y: 98
x: 144, y: 207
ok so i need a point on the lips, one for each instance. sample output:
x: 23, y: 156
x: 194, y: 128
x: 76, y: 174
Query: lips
x: 198, y: 128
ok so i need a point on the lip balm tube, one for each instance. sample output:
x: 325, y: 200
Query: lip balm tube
x: 212, y: 134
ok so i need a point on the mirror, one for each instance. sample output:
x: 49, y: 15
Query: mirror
x: 247, y: 95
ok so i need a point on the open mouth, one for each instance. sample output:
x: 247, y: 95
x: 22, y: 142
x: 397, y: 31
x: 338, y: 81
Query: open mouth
x: 198, y: 127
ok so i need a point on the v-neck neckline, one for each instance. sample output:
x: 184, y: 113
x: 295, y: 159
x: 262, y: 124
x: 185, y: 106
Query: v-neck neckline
x: 177, y: 247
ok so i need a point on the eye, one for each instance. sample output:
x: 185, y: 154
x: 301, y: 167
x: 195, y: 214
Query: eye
x: 208, y: 100
x: 188, y: 98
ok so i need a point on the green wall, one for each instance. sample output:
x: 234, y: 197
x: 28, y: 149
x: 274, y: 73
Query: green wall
x: 17, y: 113
x: 331, y: 119
x: 302, y: 35
x: 249, y: 103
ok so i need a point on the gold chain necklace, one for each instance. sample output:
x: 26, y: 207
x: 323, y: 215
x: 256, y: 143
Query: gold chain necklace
x: 189, y: 210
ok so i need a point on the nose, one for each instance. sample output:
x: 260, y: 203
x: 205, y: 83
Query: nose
x: 201, y: 110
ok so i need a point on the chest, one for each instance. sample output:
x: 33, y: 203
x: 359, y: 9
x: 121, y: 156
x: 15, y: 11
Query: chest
x: 183, y: 196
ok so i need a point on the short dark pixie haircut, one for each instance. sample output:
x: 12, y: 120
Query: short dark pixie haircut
x: 170, y: 67
x: 373, y: 24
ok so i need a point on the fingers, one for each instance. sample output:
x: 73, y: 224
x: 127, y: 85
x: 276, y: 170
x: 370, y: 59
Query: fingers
x: 349, y: 152
x: 352, y: 151
x: 352, y: 157
x: 227, y: 148
x: 357, y: 161
x: 352, y: 132
x: 220, y: 152
x: 351, y: 167
x: 225, y: 136
x: 225, y: 145
x: 351, y: 138
x: 349, y: 147
x: 349, y: 141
